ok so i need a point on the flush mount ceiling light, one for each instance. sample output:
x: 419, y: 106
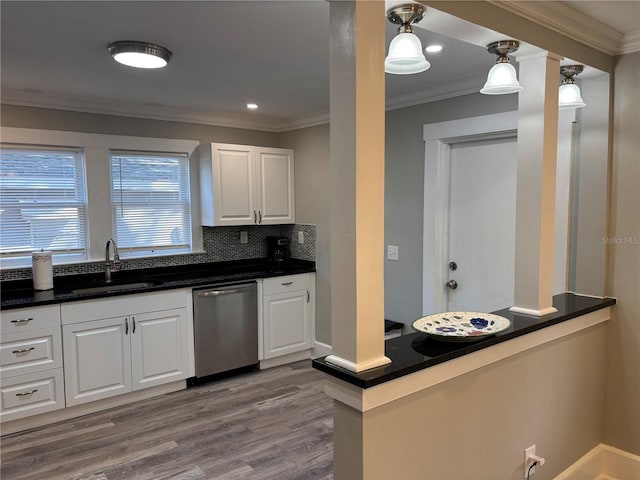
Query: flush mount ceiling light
x: 502, y: 77
x: 433, y: 48
x: 139, y: 54
x: 569, y: 95
x: 252, y: 106
x: 405, y: 51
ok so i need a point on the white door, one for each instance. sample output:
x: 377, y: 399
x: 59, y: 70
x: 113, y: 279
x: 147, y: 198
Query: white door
x: 234, y: 184
x: 482, y: 214
x: 97, y: 359
x: 159, y: 352
x: 275, y: 185
x: 287, y: 323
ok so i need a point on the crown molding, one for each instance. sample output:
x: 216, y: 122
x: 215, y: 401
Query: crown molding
x: 631, y: 42
x: 72, y: 103
x: 567, y: 21
x: 463, y: 86
x: 125, y: 109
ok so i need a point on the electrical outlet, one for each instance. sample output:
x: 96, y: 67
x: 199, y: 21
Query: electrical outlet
x: 529, y: 453
x: 244, y: 236
x: 392, y: 252
x: 300, y: 237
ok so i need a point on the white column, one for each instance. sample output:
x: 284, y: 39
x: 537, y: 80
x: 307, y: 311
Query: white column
x: 539, y: 76
x: 357, y: 183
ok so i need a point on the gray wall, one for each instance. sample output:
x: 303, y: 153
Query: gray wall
x: 404, y: 177
x: 311, y: 147
x: 48, y: 119
x: 404, y: 192
x: 622, y: 408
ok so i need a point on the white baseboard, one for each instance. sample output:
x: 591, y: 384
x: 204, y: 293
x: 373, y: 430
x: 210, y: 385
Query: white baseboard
x: 321, y: 349
x: 604, y: 462
x: 284, y: 359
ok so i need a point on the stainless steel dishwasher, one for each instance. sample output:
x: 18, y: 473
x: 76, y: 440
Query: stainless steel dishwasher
x: 225, y: 321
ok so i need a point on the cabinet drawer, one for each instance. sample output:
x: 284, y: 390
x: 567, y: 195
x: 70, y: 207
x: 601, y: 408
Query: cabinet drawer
x: 29, y: 352
x: 27, y: 319
x: 288, y: 283
x: 31, y: 394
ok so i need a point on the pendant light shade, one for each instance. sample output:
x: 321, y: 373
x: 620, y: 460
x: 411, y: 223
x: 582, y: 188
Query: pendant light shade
x: 502, y: 78
x: 140, y: 54
x: 405, y: 51
x: 405, y: 55
x: 569, y: 95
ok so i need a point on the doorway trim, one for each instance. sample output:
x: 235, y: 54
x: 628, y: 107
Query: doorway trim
x: 438, y: 138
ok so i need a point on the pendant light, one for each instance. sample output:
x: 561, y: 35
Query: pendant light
x: 502, y: 77
x: 405, y: 51
x: 139, y: 54
x: 569, y: 95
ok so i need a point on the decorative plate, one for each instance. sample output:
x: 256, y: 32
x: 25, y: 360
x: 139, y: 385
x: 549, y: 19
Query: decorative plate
x: 461, y: 326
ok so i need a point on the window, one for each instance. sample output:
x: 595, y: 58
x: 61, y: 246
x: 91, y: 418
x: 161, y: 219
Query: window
x: 151, y: 203
x: 42, y: 204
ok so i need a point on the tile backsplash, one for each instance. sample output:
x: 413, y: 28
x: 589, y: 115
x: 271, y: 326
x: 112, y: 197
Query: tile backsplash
x: 220, y: 244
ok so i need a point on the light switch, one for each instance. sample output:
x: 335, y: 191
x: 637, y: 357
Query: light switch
x: 300, y: 237
x: 392, y: 252
x: 244, y: 236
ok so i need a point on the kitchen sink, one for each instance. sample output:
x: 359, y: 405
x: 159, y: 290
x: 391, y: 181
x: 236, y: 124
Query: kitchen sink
x: 115, y: 287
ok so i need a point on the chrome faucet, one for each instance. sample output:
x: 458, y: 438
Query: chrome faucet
x: 111, y: 265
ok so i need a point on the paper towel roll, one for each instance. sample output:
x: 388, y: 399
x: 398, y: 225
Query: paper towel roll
x: 42, y: 270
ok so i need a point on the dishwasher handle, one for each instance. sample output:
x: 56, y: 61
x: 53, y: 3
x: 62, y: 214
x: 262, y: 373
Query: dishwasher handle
x: 215, y: 293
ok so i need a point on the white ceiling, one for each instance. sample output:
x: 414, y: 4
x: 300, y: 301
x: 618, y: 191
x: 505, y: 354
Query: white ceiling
x: 225, y: 54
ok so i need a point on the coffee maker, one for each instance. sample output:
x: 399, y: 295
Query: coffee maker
x: 278, y: 251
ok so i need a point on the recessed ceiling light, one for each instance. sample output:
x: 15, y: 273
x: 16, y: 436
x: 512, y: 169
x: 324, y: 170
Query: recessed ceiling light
x: 252, y: 106
x: 433, y: 48
x: 139, y: 54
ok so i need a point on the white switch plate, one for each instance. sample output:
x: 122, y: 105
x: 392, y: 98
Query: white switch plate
x: 244, y: 236
x: 300, y: 237
x: 392, y: 252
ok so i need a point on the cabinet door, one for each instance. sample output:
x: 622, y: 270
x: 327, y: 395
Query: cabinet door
x: 276, y: 185
x: 234, y: 184
x: 287, y: 323
x: 159, y: 350
x: 97, y: 359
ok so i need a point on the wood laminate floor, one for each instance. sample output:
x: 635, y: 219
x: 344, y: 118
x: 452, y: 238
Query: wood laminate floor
x: 275, y: 424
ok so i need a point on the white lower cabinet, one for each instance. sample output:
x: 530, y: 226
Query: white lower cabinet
x: 112, y: 356
x: 30, y: 362
x: 97, y: 359
x: 158, y: 348
x: 287, y: 308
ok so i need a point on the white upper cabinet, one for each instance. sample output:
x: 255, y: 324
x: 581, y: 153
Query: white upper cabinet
x: 246, y: 185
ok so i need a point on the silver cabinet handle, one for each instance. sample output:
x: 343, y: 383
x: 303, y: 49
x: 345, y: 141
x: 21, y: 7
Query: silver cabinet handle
x: 26, y: 394
x: 255, y: 217
x: 308, y: 296
x: 285, y: 284
x: 22, y: 321
x: 23, y: 350
x: 133, y: 319
x: 259, y: 216
x: 126, y: 326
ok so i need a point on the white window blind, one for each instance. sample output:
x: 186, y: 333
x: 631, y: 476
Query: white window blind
x: 42, y: 203
x: 151, y: 202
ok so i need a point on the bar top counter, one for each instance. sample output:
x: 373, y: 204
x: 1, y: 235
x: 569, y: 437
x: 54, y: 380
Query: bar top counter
x: 417, y: 351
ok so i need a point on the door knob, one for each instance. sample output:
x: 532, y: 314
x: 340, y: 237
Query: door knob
x: 452, y: 284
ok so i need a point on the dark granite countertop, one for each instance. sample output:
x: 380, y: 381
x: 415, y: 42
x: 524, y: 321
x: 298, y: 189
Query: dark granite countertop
x: 417, y: 351
x: 20, y: 293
